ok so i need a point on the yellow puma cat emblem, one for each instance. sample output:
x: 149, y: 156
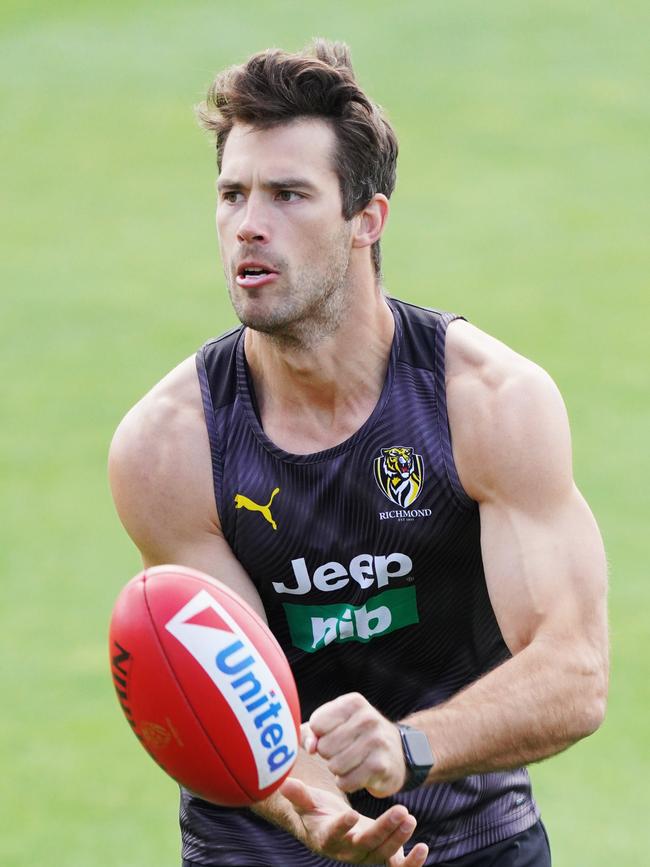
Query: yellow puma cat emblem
x: 243, y: 502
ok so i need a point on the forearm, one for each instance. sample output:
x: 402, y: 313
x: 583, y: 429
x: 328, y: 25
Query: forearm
x: 532, y: 706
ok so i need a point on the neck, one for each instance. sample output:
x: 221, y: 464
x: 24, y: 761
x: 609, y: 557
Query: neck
x: 329, y: 387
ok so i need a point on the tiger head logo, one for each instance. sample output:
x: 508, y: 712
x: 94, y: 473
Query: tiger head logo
x: 399, y: 473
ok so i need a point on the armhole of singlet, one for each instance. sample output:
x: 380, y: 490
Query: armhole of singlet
x: 210, y: 423
x: 444, y: 432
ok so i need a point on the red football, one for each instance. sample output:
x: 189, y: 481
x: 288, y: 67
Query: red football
x: 204, y: 685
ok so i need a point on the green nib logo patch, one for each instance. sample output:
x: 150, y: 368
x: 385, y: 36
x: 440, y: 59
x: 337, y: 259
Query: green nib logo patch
x: 313, y: 627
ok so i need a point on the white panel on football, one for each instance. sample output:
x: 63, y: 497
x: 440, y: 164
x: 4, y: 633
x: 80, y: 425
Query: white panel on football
x: 238, y: 671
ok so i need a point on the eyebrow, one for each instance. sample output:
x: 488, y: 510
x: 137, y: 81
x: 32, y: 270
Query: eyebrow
x: 277, y: 184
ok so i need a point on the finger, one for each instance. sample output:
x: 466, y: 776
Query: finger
x: 346, y: 736
x: 374, y: 837
x: 334, y: 713
x: 347, y: 760
x: 393, y: 843
x: 362, y: 734
x: 367, y: 775
x: 338, y: 830
x: 417, y: 856
x: 299, y: 795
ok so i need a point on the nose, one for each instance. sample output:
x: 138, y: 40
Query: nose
x: 253, y: 225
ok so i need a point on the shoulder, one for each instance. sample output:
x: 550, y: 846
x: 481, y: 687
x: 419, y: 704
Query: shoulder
x: 159, y: 460
x: 171, y: 413
x: 508, y: 421
x: 476, y: 360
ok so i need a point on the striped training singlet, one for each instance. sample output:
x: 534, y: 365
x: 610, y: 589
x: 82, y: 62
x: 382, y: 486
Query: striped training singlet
x: 367, y: 558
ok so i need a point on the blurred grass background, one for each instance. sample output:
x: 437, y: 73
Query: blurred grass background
x: 523, y: 202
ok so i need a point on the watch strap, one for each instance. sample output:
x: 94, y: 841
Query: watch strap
x: 418, y: 757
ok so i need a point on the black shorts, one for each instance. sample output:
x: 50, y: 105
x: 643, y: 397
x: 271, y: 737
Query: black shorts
x: 528, y: 849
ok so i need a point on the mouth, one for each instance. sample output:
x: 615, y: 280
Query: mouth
x: 254, y: 274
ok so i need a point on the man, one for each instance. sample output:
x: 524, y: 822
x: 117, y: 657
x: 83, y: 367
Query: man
x: 390, y: 487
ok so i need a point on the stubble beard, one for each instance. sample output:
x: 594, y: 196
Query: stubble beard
x: 311, y: 306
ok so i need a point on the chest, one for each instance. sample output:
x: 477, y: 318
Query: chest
x: 309, y: 430
x: 344, y: 526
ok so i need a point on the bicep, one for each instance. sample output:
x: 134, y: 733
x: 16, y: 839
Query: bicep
x: 542, y: 552
x: 161, y: 480
x: 545, y: 572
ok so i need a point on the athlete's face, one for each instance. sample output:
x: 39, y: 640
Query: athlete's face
x: 284, y: 243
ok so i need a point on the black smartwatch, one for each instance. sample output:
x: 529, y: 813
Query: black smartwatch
x: 418, y: 757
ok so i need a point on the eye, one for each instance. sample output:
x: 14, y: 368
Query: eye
x: 288, y: 196
x: 231, y: 196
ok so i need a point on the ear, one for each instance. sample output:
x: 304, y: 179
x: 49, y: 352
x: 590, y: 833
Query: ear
x: 370, y: 221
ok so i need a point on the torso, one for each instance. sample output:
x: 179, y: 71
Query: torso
x: 371, y: 581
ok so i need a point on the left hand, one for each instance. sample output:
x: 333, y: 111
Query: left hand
x: 333, y: 829
x: 363, y: 749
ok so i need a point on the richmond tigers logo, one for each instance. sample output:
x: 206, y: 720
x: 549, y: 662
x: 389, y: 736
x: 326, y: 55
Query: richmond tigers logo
x: 399, y: 473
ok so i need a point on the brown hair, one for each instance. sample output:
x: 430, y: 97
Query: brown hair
x: 275, y: 87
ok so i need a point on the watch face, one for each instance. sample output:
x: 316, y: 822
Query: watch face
x: 418, y: 747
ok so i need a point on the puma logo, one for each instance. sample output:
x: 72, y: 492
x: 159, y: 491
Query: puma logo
x: 242, y: 502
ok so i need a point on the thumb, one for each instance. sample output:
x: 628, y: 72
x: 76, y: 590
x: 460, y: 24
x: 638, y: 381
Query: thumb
x: 308, y: 739
x: 296, y: 791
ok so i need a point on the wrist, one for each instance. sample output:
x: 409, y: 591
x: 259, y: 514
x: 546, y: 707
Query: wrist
x: 418, y: 756
x: 278, y: 810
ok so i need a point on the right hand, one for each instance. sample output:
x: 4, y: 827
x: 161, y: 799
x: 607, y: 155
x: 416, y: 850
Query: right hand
x: 334, y: 830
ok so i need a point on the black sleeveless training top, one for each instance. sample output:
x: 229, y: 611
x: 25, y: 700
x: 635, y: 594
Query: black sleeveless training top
x: 367, y: 558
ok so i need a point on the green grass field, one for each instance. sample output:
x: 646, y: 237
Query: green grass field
x: 522, y: 202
